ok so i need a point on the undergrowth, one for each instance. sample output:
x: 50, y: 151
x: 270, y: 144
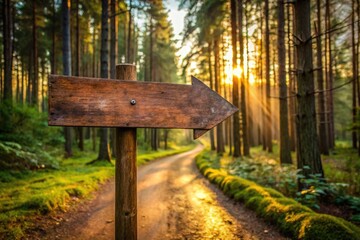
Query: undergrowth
x: 293, y: 219
x: 264, y: 169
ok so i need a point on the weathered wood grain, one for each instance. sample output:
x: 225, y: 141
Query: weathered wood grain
x: 76, y: 101
x: 125, y: 172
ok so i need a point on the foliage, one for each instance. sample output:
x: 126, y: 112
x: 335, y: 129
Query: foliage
x: 292, y: 218
x: 24, y: 135
x: 315, y: 187
x: 26, y: 126
x: 343, y: 166
x: 158, y: 47
x: 352, y: 202
x: 266, y: 172
x: 13, y: 156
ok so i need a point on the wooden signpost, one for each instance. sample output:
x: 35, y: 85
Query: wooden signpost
x: 127, y: 105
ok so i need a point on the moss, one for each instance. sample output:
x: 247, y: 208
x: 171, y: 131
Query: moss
x: 225, y: 185
x: 203, y: 166
x: 254, y: 202
x: 288, y: 201
x: 217, y: 178
x: 273, y: 193
x: 325, y: 227
x: 255, y: 190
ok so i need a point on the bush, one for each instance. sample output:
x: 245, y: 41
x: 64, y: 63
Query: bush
x: 26, y: 126
x: 13, y: 156
x: 24, y: 135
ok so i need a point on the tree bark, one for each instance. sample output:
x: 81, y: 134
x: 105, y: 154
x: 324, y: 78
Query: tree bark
x: 113, y: 56
x: 211, y: 79
x: 154, y: 132
x: 330, y: 79
x: 67, y: 65
x: 8, y: 46
x: 285, y: 156
x: 129, y: 36
x: 80, y: 130
x: 308, y: 146
x: 235, y: 80
x: 244, y: 126
x: 53, y: 41
x: 268, y: 126
x: 104, y: 149
x: 35, y: 80
x: 113, y: 47
x: 291, y: 60
x: 220, y: 148
x: 354, y: 80
x: 323, y: 141
x: 250, y: 115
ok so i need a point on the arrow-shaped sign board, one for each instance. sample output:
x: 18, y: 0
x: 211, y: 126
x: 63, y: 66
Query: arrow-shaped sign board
x: 96, y: 102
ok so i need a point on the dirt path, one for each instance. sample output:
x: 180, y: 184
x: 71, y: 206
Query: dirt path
x: 174, y: 202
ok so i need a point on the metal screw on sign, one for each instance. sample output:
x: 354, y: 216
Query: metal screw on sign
x: 196, y: 105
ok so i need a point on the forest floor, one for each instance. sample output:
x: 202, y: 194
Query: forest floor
x: 174, y: 202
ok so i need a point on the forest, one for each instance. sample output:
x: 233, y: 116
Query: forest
x: 291, y: 153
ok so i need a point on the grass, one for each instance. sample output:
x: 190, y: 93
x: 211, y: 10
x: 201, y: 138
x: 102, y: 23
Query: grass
x: 30, y: 193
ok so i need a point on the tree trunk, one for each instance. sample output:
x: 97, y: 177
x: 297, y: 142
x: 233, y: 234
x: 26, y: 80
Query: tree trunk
x: 235, y: 80
x: 53, y: 41
x: 22, y: 81
x: 35, y: 80
x: 67, y: 65
x: 93, y: 136
x: 80, y: 130
x: 8, y: 46
x: 154, y: 132
x: 166, y: 136
x: 242, y: 86
x: 308, y: 147
x: 268, y: 126
x: 113, y: 49
x: 357, y: 62
x: 330, y: 79
x: 354, y: 80
x: 28, y: 88
x: 249, y: 107
x: 104, y: 150
x: 113, y: 55
x: 323, y: 141
x: 219, y: 129
x: 291, y: 79
x: 129, y: 45
x: 17, y: 78
x: 285, y: 156
x: 211, y: 79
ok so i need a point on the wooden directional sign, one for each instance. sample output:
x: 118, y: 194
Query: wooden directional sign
x: 96, y: 102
